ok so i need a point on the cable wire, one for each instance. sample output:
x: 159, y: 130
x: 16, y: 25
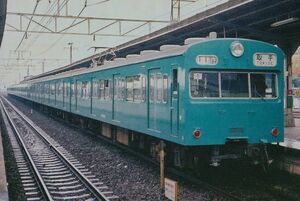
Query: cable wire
x: 25, y: 34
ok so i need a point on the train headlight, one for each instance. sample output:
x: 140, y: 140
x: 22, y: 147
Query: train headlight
x: 275, y: 132
x: 197, y: 134
x: 237, y: 49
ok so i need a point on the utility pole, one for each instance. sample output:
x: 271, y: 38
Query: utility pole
x: 43, y: 66
x: 71, y: 51
x: 175, y: 10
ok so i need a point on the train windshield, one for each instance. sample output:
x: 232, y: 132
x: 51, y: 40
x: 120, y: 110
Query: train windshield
x: 263, y: 85
x: 232, y: 85
x: 204, y: 84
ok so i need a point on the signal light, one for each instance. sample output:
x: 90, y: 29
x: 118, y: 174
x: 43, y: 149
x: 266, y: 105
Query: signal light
x: 197, y: 134
x: 275, y: 132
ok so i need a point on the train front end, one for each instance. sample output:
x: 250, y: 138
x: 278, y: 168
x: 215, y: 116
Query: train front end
x: 234, y: 97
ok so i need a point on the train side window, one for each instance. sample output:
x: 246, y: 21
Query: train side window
x: 159, y: 87
x: 59, y: 88
x: 64, y: 88
x: 107, y: 89
x: 116, y: 88
x: 152, y: 87
x: 123, y: 91
x: 165, y: 88
x: 143, y: 80
x: 85, y: 89
x: 175, y: 83
x: 78, y: 89
x: 137, y: 88
x: 129, y: 88
x: 72, y: 90
x: 52, y: 88
x: 95, y: 88
x: 101, y: 89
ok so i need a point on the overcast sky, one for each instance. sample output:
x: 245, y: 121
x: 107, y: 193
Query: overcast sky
x: 52, y: 50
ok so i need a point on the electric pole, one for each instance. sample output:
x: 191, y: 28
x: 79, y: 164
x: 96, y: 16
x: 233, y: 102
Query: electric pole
x: 71, y: 51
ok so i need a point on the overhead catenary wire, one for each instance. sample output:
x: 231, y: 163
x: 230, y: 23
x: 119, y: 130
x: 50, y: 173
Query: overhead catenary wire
x: 25, y: 34
x: 53, y: 44
x: 50, y: 19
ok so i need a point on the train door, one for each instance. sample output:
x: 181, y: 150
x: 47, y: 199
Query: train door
x: 153, y: 104
x: 174, y: 107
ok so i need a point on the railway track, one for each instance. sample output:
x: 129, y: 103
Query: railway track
x: 47, y: 170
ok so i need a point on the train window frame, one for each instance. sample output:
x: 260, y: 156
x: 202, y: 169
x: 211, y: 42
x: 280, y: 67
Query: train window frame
x: 152, y: 88
x: 235, y: 98
x: 159, y: 91
x: 276, y: 85
x: 165, y: 88
x: 219, y: 84
x: 95, y: 88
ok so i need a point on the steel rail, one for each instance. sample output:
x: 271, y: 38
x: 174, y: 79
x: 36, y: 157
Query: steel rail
x: 90, y: 186
x: 36, y: 173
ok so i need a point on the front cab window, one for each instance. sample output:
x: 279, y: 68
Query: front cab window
x: 204, y: 84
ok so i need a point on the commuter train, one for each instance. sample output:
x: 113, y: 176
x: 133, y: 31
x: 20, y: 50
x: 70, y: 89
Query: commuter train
x: 209, y: 98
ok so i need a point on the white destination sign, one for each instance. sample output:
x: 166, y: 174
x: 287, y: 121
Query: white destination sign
x: 171, y: 189
x: 207, y: 60
x: 265, y: 59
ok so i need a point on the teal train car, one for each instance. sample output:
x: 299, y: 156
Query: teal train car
x: 222, y: 95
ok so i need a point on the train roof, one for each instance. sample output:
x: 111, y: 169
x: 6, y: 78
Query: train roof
x: 145, y: 55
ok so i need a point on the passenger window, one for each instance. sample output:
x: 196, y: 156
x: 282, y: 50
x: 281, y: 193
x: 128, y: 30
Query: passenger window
x: 165, y: 88
x: 72, y: 90
x: 101, y: 89
x: 137, y: 88
x: 143, y: 80
x: 152, y: 87
x: 116, y: 88
x: 85, y: 89
x: 106, y: 89
x: 52, y: 89
x: 129, y: 88
x: 175, y: 83
x: 78, y: 89
x: 121, y: 91
x: 95, y: 88
x: 159, y: 87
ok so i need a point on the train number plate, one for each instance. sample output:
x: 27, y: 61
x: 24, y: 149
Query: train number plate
x: 207, y: 60
x: 265, y: 59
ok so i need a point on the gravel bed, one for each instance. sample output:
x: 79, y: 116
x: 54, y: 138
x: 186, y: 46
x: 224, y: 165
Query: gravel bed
x: 128, y: 176
x: 15, y: 190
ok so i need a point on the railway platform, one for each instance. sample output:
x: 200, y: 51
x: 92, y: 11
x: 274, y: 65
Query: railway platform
x: 3, y: 182
x: 292, y: 136
x: 289, y: 160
